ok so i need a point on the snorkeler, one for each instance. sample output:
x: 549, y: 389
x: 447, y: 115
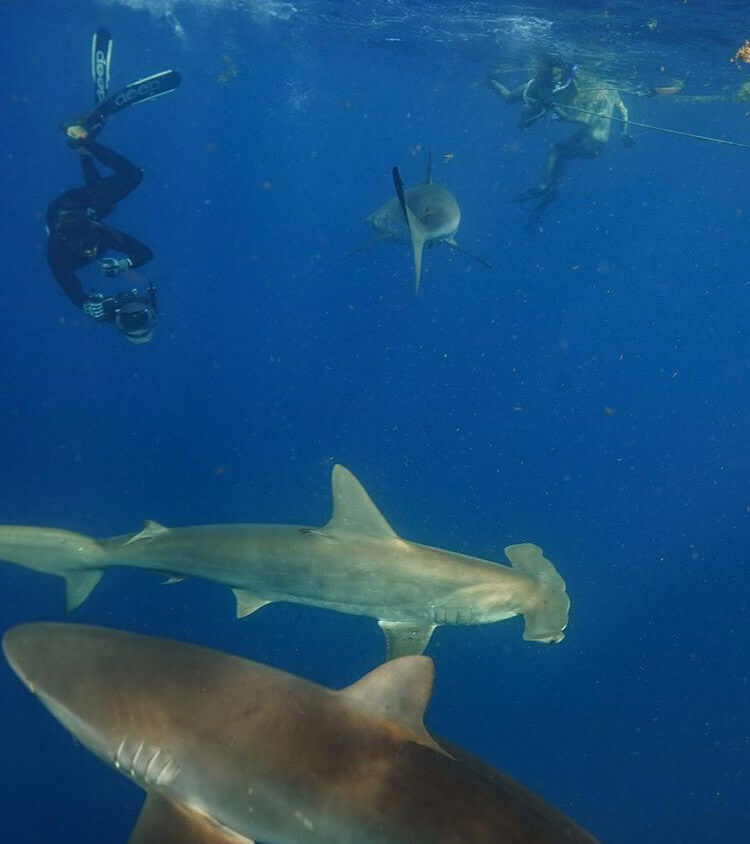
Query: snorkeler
x: 566, y: 93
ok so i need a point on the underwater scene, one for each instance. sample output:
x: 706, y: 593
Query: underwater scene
x: 374, y: 422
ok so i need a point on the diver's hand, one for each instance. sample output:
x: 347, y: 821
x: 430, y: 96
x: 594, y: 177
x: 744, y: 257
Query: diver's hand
x: 114, y: 266
x: 627, y: 140
x: 98, y: 307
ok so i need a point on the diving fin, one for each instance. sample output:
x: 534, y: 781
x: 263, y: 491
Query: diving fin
x: 140, y: 91
x: 101, y: 58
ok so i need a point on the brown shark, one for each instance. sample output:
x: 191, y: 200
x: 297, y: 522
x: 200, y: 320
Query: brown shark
x: 230, y: 751
x: 355, y: 564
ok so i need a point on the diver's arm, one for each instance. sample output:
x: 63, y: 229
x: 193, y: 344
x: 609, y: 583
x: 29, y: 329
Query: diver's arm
x: 62, y: 270
x: 622, y: 108
x: 506, y: 94
x: 135, y: 251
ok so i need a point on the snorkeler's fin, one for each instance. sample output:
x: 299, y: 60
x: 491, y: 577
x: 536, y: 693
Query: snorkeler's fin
x: 140, y: 91
x: 101, y: 58
x: 414, y: 227
x: 453, y: 245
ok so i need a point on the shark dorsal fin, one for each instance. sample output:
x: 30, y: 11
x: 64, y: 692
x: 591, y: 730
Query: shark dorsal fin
x: 353, y: 510
x: 151, y: 529
x: 416, y: 231
x: 398, y: 690
x: 428, y: 175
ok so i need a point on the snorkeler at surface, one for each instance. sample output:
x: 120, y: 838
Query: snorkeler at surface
x: 560, y: 89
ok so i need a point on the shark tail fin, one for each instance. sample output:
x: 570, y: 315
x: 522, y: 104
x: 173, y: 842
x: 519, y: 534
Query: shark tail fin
x: 546, y: 616
x: 416, y: 233
x: 79, y: 559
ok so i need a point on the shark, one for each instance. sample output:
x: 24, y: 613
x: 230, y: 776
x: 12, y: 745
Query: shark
x: 421, y: 215
x: 231, y: 751
x: 356, y: 563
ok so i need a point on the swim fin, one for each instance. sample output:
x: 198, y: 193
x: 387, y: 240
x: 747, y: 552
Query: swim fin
x: 101, y: 59
x: 140, y: 91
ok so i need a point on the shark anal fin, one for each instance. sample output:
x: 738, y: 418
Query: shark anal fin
x: 404, y: 638
x: 353, y: 510
x: 164, y: 822
x: 247, y: 602
x: 79, y: 585
x: 150, y: 530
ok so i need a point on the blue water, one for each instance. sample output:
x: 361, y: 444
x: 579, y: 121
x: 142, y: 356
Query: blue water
x: 588, y: 394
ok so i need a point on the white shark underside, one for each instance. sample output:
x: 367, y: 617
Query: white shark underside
x: 355, y: 564
x: 230, y: 751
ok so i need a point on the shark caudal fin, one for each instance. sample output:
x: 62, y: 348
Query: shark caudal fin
x: 547, y: 614
x: 416, y: 233
x: 77, y: 558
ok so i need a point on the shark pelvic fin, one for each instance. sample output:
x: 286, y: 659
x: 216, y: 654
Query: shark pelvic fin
x: 164, y: 822
x: 247, y: 603
x: 79, y: 585
x: 413, y: 225
x: 399, y: 691
x: 150, y: 530
x: 403, y: 638
x: 353, y: 510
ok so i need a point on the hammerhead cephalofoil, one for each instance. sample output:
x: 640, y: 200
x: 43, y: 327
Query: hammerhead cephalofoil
x: 354, y: 564
x: 230, y: 751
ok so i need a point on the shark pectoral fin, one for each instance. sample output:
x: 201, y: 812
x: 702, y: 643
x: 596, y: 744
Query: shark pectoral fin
x: 398, y: 691
x: 247, y: 603
x: 353, y: 510
x: 379, y: 238
x: 416, y: 233
x: 79, y: 585
x: 546, y: 613
x: 150, y: 530
x: 453, y: 245
x: 164, y: 822
x: 172, y: 578
x: 404, y: 638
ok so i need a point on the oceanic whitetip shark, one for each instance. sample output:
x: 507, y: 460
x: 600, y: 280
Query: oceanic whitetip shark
x: 354, y: 564
x: 231, y: 752
x: 421, y: 215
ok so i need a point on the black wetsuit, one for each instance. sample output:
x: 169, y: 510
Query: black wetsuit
x: 77, y: 237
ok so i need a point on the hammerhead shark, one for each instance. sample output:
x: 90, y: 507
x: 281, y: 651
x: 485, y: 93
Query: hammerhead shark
x: 230, y: 751
x: 356, y: 564
x: 421, y: 215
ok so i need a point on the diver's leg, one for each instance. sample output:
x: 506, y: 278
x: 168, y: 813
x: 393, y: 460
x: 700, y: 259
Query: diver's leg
x: 91, y: 175
x: 126, y: 177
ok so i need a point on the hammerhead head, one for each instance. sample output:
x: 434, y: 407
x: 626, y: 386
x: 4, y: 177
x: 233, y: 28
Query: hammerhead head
x: 230, y: 751
x: 421, y: 215
x: 354, y: 564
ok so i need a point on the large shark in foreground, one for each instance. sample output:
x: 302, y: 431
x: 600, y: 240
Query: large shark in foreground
x: 230, y: 751
x: 421, y: 215
x: 355, y: 564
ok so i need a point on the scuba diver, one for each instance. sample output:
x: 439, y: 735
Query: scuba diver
x: 76, y: 234
x: 566, y: 93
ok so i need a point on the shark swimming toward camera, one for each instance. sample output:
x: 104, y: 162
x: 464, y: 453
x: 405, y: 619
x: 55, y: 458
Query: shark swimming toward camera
x: 230, y: 751
x: 355, y: 564
x: 422, y: 215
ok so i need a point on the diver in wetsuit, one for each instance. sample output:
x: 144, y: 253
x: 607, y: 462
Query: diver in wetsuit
x: 560, y: 89
x: 76, y: 234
